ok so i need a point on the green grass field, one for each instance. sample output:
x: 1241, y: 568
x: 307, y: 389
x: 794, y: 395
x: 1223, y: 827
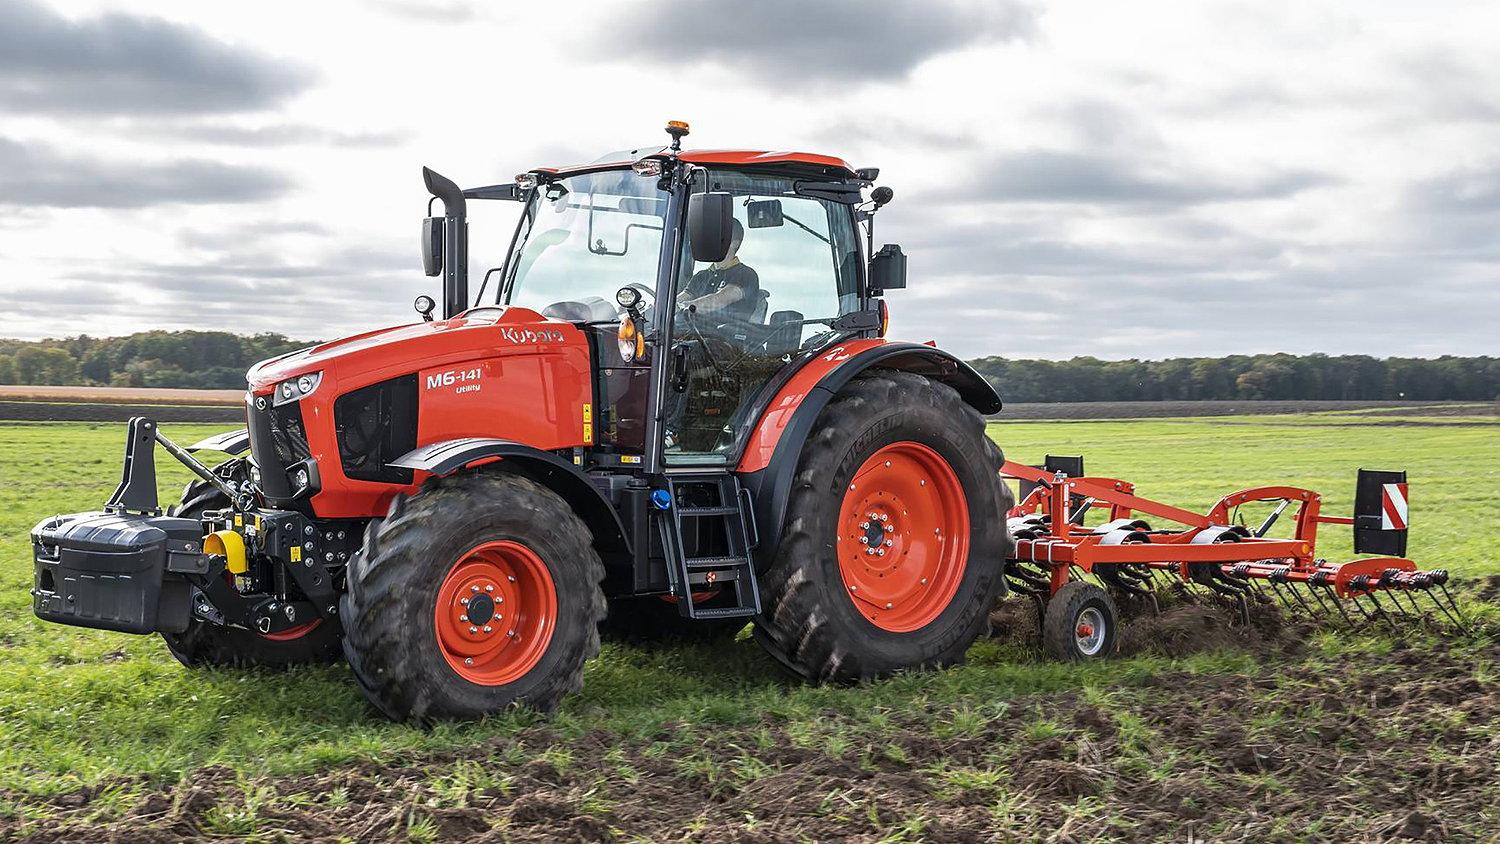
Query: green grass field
x: 115, y: 715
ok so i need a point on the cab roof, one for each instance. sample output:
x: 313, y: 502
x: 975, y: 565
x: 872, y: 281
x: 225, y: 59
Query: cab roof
x: 720, y: 157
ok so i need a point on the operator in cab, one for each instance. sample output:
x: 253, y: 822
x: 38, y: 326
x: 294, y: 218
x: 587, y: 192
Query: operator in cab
x: 728, y: 288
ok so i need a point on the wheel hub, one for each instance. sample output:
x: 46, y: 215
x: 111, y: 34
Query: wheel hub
x: 903, y: 536
x: 495, y: 613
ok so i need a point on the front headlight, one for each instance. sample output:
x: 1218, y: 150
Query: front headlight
x: 296, y: 389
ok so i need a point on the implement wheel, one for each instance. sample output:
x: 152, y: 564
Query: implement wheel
x: 204, y: 644
x: 1081, y: 623
x: 477, y: 593
x: 895, y: 535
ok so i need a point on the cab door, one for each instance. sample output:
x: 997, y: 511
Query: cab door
x: 738, y: 323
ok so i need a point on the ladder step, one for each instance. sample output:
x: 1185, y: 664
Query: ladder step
x: 707, y: 511
x: 725, y: 612
x: 715, y: 562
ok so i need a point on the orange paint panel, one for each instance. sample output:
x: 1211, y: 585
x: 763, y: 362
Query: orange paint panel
x: 778, y: 414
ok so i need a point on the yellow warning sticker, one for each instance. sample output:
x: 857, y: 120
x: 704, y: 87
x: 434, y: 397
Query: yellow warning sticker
x: 296, y: 553
x: 588, y: 432
x: 588, y: 413
x: 630, y: 458
x: 239, y: 521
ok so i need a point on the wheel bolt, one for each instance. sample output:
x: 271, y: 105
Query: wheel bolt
x: 888, y: 543
x: 468, y: 661
x: 473, y: 588
x: 864, y: 525
x: 884, y: 517
x: 864, y: 540
x: 924, y: 581
x: 464, y: 601
x: 511, y: 578
x: 921, y: 483
x: 511, y: 634
x: 890, y: 528
x: 880, y: 553
x: 473, y: 629
x: 488, y: 629
x: 489, y: 587
x: 853, y: 588
x: 887, y: 464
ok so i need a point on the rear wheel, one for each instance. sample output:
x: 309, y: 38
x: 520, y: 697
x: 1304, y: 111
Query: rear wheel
x: 891, y: 555
x: 205, y: 644
x: 1081, y: 623
x: 479, y: 592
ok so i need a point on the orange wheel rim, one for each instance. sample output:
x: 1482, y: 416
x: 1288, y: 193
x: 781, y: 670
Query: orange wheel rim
x: 903, y: 536
x: 292, y: 634
x: 496, y: 611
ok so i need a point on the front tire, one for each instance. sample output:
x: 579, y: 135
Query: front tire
x: 1081, y: 623
x: 479, y: 592
x: 891, y: 556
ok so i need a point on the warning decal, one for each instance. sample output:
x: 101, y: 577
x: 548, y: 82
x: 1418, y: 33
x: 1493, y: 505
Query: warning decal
x: 1393, y: 506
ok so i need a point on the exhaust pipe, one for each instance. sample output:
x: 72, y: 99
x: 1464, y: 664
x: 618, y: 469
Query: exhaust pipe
x: 455, y: 241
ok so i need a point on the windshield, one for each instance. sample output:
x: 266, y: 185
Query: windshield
x: 585, y: 237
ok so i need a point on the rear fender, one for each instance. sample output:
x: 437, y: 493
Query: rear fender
x: 444, y: 458
x: 775, y: 446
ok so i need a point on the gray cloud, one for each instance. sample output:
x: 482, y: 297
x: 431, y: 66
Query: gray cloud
x: 794, y: 40
x: 1046, y: 176
x: 120, y: 63
x: 280, y: 134
x: 32, y: 174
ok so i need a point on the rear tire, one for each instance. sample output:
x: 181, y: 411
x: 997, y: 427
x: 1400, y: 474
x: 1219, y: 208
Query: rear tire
x: 479, y: 592
x: 205, y: 644
x: 909, y: 450
x: 1081, y: 623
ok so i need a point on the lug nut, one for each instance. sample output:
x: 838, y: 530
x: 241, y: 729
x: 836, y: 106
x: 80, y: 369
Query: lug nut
x: 488, y: 629
x: 887, y: 464
x: 880, y: 553
x: 308, y: 530
x: 473, y: 629
x: 887, y: 604
x: 924, y: 581
x: 888, y: 543
x: 342, y: 534
x: 489, y: 587
x: 463, y: 601
x: 884, y: 517
x: 864, y: 525
x: 473, y: 588
x: 864, y: 540
x: 890, y: 528
x: 468, y: 661
x: 511, y: 578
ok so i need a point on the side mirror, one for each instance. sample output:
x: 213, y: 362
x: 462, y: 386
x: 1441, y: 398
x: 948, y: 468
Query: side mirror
x: 432, y: 245
x: 710, y: 223
x: 764, y: 214
x: 888, y: 269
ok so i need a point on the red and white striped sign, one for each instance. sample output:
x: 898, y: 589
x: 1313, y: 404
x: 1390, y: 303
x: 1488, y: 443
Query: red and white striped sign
x: 1393, y: 506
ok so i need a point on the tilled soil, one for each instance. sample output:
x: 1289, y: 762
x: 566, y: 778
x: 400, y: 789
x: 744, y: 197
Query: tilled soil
x: 1402, y: 745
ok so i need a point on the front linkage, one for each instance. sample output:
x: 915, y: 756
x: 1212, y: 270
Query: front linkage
x: 133, y: 569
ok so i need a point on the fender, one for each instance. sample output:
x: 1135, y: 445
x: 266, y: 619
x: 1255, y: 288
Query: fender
x: 775, y: 446
x: 444, y: 458
x: 229, y: 442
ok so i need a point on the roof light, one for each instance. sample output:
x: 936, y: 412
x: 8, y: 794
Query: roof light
x: 526, y: 181
x: 678, y: 124
x: 647, y: 167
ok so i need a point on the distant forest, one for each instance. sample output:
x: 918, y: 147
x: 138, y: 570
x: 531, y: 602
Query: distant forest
x: 217, y: 359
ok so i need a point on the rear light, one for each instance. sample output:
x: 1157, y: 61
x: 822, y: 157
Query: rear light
x: 526, y: 181
x: 885, y: 318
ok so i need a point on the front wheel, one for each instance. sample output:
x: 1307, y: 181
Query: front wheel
x: 479, y: 592
x: 892, y: 551
x: 1081, y: 623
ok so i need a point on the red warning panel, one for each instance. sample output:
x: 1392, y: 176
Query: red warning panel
x: 1393, y: 506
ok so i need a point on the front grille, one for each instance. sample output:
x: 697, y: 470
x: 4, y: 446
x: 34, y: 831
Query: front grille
x: 277, y: 440
x: 377, y: 424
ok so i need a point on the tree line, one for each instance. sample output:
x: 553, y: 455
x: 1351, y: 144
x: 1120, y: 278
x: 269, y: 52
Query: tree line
x: 218, y: 360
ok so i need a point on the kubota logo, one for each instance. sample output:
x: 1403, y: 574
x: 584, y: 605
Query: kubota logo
x: 527, y: 335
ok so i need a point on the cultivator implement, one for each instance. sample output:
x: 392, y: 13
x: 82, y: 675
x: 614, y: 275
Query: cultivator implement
x: 1127, y: 557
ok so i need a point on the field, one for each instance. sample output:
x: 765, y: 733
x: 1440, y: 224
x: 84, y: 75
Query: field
x: 1280, y: 732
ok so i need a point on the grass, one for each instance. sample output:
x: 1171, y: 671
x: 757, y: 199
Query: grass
x: 80, y: 708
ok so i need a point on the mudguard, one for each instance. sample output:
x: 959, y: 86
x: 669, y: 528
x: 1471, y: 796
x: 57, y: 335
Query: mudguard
x: 229, y: 442
x: 544, y: 467
x: 770, y: 458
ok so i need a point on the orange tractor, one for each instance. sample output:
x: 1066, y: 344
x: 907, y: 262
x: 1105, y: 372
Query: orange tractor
x: 674, y: 412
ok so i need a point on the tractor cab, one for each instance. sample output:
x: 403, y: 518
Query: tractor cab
x: 697, y: 276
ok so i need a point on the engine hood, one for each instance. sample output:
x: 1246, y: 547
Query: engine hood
x: 387, y: 352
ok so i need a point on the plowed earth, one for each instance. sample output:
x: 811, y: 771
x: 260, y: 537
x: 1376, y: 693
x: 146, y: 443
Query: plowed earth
x: 1398, y: 741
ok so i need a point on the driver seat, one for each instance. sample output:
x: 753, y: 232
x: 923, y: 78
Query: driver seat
x: 758, y: 313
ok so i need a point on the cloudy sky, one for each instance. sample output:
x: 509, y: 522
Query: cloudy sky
x: 1115, y: 179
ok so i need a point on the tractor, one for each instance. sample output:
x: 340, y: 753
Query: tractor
x: 675, y: 413
x: 671, y: 411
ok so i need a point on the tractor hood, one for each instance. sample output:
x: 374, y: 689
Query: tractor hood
x: 387, y: 352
